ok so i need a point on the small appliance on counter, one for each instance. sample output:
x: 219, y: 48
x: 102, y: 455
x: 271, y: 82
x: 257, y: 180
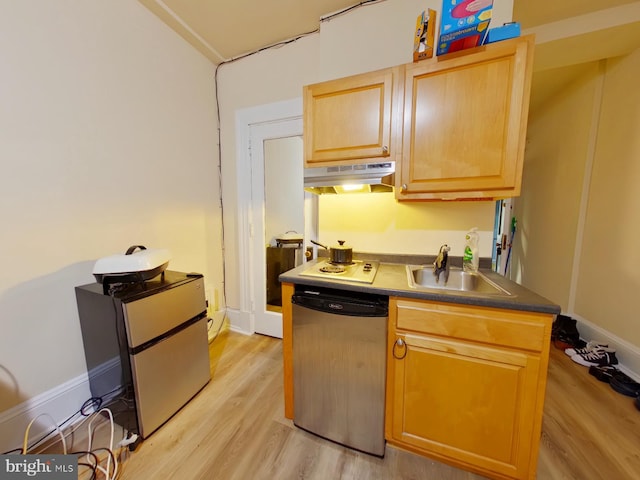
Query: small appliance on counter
x: 145, y: 339
x: 131, y: 267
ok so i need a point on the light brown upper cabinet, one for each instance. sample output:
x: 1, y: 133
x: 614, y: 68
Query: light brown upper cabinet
x: 464, y: 125
x: 350, y: 120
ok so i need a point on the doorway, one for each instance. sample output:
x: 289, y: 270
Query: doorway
x: 284, y: 213
x: 277, y: 206
x: 268, y: 125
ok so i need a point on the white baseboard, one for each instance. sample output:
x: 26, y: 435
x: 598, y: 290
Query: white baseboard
x: 60, y: 403
x: 627, y: 354
x: 236, y: 330
x: 240, y: 322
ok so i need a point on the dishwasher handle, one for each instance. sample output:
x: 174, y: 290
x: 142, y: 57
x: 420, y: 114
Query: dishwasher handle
x: 376, y: 307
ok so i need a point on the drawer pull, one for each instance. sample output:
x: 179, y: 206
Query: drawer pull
x: 399, y: 344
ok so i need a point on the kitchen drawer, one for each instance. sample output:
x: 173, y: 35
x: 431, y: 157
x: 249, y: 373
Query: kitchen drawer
x: 511, y: 328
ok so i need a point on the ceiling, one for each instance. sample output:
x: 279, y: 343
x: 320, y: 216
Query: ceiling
x: 223, y: 29
x: 569, y: 33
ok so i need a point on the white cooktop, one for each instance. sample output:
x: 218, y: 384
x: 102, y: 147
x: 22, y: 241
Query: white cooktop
x: 362, y: 271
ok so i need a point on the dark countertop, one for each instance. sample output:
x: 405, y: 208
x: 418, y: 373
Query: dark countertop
x: 391, y: 279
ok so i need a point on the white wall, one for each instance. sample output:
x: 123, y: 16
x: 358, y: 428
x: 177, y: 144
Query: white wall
x: 608, y: 274
x: 577, y: 244
x: 107, y: 139
x: 367, y: 38
x: 548, y: 210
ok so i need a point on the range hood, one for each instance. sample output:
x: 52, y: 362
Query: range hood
x: 361, y: 178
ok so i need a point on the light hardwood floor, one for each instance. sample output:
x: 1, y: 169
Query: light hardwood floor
x: 235, y: 429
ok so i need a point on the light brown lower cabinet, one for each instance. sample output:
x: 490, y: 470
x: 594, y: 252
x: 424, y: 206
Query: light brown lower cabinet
x: 466, y: 384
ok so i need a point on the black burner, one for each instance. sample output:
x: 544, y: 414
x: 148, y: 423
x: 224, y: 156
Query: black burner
x: 332, y: 268
x: 357, y: 271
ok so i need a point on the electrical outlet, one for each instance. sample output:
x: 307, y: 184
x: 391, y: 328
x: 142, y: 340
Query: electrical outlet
x: 209, y: 298
x: 216, y: 304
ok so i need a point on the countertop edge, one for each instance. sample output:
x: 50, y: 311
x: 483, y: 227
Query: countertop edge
x: 391, y: 280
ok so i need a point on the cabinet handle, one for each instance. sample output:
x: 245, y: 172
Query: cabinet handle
x: 404, y: 187
x: 385, y: 149
x: 399, y: 343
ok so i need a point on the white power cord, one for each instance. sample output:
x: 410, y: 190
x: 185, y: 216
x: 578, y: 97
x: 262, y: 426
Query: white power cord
x: 92, y: 460
x: 115, y: 460
x: 125, y: 442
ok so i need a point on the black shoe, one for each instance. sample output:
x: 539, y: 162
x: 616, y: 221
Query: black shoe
x: 604, y: 373
x: 564, y: 333
x: 637, y: 402
x: 564, y: 324
x: 589, y: 347
x: 625, y: 385
x: 598, y: 357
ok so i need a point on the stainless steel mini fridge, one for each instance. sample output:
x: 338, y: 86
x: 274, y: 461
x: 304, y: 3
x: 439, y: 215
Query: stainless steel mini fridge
x: 146, y: 347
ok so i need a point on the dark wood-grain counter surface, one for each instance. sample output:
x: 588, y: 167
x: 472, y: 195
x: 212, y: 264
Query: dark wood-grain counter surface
x: 391, y: 279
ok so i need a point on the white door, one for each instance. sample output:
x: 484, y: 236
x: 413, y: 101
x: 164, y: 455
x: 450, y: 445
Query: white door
x: 277, y: 206
x: 505, y: 236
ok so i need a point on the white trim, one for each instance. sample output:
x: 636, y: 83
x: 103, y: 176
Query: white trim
x: 242, y: 332
x: 627, y: 354
x: 191, y: 31
x: 243, y: 172
x: 60, y: 403
x: 245, y: 118
x: 264, y: 321
x: 239, y: 321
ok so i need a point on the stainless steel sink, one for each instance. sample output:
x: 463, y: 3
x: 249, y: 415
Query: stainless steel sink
x: 422, y: 277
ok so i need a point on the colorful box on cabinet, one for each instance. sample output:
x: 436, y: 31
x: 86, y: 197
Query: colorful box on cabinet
x: 506, y: 31
x: 464, y: 24
x: 424, y: 37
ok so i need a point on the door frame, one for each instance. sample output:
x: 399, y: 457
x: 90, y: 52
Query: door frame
x: 275, y: 120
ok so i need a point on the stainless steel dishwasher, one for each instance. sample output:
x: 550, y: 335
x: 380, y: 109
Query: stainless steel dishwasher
x: 339, y: 365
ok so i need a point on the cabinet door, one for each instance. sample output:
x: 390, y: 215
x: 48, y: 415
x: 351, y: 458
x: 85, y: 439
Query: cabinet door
x: 465, y: 123
x: 348, y: 119
x: 467, y: 404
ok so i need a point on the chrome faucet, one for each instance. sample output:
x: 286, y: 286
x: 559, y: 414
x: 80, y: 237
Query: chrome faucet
x: 441, y: 265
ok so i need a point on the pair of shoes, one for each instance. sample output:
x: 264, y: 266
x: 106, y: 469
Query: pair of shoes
x: 589, y: 347
x: 619, y: 381
x: 564, y: 333
x: 599, y: 356
x: 562, y: 323
x: 625, y: 385
x: 603, y: 373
